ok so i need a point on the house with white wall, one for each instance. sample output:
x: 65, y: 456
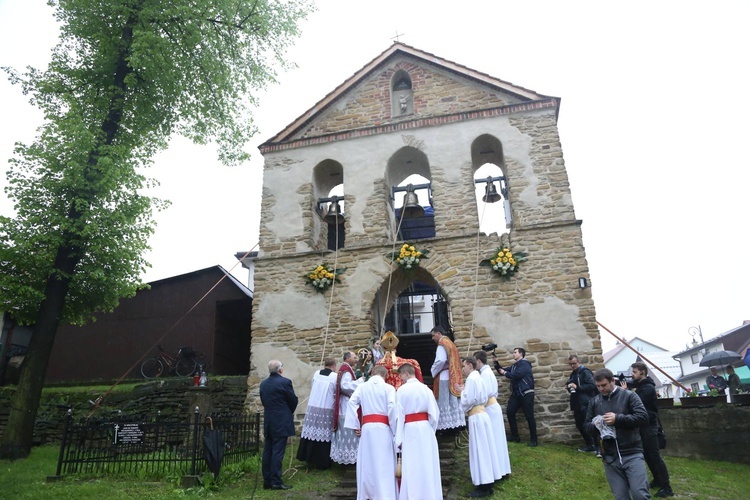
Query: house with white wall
x: 660, y: 362
x: 693, y: 375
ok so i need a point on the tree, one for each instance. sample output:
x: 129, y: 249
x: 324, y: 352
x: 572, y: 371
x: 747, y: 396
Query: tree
x: 126, y: 76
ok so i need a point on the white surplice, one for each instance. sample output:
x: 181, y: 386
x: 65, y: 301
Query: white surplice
x: 345, y: 443
x: 318, y: 423
x: 451, y: 415
x: 483, y: 462
x: 376, y: 458
x: 495, y: 412
x: 420, y: 461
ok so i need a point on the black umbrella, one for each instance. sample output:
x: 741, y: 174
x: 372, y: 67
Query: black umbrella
x: 213, y: 448
x: 717, y: 358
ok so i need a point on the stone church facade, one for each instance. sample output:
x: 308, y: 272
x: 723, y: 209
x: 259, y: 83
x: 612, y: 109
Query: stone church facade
x: 409, y: 112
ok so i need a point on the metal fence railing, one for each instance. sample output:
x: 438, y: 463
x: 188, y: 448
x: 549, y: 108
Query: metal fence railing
x: 127, y: 446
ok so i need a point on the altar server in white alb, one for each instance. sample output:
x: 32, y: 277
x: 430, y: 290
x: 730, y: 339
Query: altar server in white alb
x: 483, y: 462
x: 495, y: 411
x: 317, y: 428
x: 418, y: 416
x: 345, y: 442
x: 376, y: 458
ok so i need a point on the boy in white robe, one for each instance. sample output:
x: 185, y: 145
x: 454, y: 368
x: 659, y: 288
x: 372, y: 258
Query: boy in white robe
x: 344, y: 442
x: 418, y: 416
x: 483, y: 463
x: 376, y: 456
x: 494, y: 410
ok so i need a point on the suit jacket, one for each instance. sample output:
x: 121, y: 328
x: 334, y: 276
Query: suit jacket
x: 279, y: 403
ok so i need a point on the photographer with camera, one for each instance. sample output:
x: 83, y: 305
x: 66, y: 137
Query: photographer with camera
x: 582, y: 389
x: 522, y: 394
x: 617, y: 415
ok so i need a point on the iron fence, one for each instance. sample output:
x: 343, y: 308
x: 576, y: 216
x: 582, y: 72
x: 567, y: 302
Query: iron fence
x: 123, y: 445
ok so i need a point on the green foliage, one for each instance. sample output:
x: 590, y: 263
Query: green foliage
x: 125, y: 77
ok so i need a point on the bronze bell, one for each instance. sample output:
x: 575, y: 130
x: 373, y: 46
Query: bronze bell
x: 334, y: 214
x: 411, y: 209
x: 490, y: 193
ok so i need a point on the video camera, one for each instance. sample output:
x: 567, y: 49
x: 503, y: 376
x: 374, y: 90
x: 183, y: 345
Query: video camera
x: 624, y: 378
x: 489, y: 347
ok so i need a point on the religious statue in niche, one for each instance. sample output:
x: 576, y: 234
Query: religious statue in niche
x: 403, y: 102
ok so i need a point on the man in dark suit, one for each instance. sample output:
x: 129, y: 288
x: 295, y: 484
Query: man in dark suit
x: 279, y: 403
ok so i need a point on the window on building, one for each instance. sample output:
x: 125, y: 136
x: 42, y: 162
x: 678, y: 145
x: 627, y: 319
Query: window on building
x: 695, y: 358
x: 328, y: 202
x: 419, y: 227
x: 491, y: 185
x: 410, y: 195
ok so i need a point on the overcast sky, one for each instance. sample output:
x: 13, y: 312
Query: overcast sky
x: 653, y: 123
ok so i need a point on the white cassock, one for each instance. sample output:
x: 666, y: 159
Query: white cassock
x: 345, y: 442
x: 420, y: 461
x: 495, y: 412
x: 483, y: 462
x: 376, y: 458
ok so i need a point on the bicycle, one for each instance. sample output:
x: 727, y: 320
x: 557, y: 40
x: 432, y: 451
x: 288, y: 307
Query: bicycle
x: 184, y: 363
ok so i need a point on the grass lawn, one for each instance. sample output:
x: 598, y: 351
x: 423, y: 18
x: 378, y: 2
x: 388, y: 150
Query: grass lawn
x: 550, y: 471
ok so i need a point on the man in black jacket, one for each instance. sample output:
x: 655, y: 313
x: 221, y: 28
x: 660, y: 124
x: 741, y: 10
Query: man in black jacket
x: 582, y: 389
x: 522, y: 394
x: 646, y: 389
x: 279, y: 403
x: 617, y: 415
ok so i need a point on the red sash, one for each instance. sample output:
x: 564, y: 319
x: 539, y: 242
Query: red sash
x: 375, y: 418
x: 416, y: 417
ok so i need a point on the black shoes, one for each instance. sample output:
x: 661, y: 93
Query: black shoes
x: 664, y: 492
x: 514, y: 439
x: 653, y: 484
x: 533, y: 444
x: 587, y: 449
x: 281, y: 486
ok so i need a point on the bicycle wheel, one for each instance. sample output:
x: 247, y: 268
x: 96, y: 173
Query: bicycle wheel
x: 185, y: 367
x: 152, y: 368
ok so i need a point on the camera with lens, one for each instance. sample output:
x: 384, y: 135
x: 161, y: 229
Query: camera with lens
x: 625, y: 378
x: 489, y: 347
x: 571, y: 390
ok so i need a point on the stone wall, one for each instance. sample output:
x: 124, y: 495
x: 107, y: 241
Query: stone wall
x: 720, y: 432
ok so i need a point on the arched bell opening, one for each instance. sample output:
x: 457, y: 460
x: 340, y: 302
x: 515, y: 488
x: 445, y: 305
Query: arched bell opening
x: 410, y: 306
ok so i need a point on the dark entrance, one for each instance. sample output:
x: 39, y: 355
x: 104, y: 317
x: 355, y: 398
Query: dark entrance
x: 417, y: 309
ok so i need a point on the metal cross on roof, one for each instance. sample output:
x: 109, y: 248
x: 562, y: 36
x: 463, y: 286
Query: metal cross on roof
x: 397, y: 36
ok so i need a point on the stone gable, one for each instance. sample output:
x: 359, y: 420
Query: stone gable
x: 435, y: 93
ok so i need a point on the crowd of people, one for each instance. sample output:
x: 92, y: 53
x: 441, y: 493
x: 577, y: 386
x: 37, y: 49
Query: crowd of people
x: 358, y: 415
